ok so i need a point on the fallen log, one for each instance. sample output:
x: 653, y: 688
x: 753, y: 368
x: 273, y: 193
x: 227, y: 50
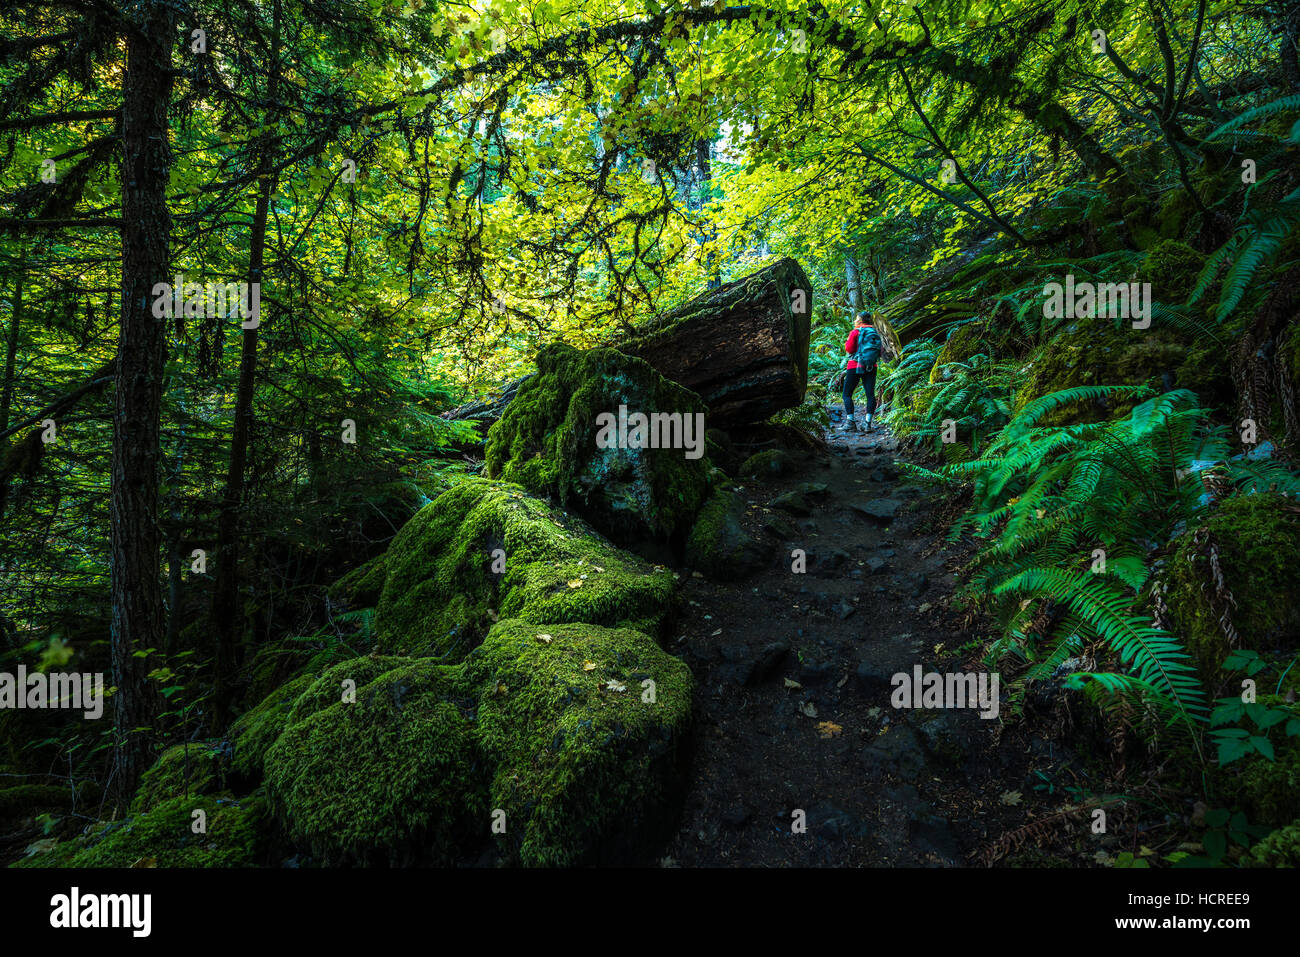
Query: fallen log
x: 743, y: 347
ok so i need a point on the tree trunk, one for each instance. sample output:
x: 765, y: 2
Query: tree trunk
x: 225, y: 594
x: 11, y: 361
x: 137, y: 620
x: 743, y: 347
x: 853, y: 280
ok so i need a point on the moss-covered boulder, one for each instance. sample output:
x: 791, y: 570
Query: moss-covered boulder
x: 769, y: 464
x: 1279, y: 849
x: 391, y: 777
x: 194, y: 768
x: 360, y: 587
x: 1097, y: 352
x: 443, y: 584
x: 1258, y: 542
x: 1171, y: 267
x: 256, y: 729
x: 584, y: 733
x: 967, y: 340
x: 565, y: 734
x: 28, y: 800
x: 1271, y: 789
x: 553, y: 440
x: 234, y: 835
x: 719, y: 546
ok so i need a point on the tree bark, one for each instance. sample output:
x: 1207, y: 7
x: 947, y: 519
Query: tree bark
x: 225, y: 595
x: 743, y: 347
x: 11, y: 359
x: 853, y: 281
x: 137, y: 618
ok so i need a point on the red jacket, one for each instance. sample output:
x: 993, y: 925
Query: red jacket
x: 851, y: 346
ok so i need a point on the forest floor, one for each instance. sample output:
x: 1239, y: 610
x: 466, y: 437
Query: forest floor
x: 794, y: 675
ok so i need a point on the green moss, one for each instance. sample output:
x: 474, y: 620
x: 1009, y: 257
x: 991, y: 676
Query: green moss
x: 1271, y: 789
x: 164, y: 837
x: 183, y: 770
x: 330, y: 689
x: 360, y: 587
x: 768, y: 464
x: 1096, y: 352
x: 1279, y: 849
x: 557, y: 734
x: 1258, y: 540
x: 584, y: 764
x: 28, y: 800
x: 440, y: 585
x: 1171, y: 267
x: 1289, y: 353
x: 390, y: 778
x: 718, y: 545
x: 967, y: 340
x: 547, y: 441
x: 257, y: 729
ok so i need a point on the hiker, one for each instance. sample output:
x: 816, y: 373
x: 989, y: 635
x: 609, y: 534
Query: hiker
x: 863, y: 348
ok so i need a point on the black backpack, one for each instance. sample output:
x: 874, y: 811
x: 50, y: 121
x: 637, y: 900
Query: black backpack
x: 869, y: 344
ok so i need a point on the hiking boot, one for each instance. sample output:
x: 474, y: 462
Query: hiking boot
x: 866, y: 424
x: 849, y: 425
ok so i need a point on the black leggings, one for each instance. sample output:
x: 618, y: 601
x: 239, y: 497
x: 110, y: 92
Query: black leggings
x: 868, y: 380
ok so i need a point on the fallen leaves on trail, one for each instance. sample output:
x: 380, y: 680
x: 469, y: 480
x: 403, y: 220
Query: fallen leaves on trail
x: 1011, y: 798
x: 589, y: 666
x: 544, y: 639
x: 808, y: 708
x: 828, y: 729
x: 791, y: 683
x: 713, y: 634
x: 575, y: 582
x: 612, y: 685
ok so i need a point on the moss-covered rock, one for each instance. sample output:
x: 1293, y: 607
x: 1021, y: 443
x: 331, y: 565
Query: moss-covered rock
x: 183, y: 770
x: 1171, y: 267
x: 360, y: 587
x: 719, y: 546
x: 548, y: 723
x: 1279, y: 849
x: 339, y: 683
x: 967, y: 340
x: 28, y: 800
x: 389, y: 778
x: 1271, y: 789
x: 1258, y: 541
x: 234, y: 836
x: 586, y: 759
x: 1097, y: 352
x: 769, y: 464
x: 256, y: 730
x: 547, y: 441
x: 440, y: 592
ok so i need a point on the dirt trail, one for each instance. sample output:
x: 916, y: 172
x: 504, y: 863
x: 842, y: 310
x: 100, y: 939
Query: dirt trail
x: 879, y: 785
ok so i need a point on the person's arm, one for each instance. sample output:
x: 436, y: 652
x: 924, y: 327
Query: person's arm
x: 852, y: 345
